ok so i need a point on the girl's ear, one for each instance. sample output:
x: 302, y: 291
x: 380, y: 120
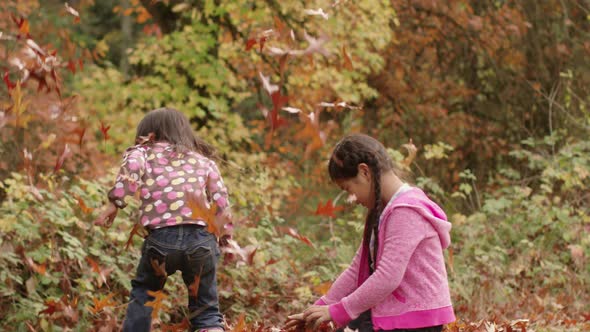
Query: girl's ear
x: 364, y: 171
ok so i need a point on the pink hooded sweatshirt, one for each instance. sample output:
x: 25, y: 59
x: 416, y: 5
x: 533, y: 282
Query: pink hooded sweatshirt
x: 409, y: 287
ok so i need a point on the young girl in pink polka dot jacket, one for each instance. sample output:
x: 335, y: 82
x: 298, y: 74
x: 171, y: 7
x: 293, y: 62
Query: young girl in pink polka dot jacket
x: 166, y: 167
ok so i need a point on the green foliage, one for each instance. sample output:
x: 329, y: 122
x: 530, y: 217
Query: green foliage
x: 530, y: 236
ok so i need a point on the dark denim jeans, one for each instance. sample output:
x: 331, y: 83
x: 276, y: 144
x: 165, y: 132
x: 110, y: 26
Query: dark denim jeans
x: 363, y: 323
x: 193, y: 251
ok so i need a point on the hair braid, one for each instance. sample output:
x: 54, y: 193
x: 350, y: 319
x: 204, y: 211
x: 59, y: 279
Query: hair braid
x: 351, y: 151
x: 374, y: 222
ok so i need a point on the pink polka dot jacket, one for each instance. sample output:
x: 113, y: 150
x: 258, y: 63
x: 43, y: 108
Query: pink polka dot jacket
x: 163, y: 178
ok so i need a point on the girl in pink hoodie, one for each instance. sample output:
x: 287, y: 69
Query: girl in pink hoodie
x: 397, y: 280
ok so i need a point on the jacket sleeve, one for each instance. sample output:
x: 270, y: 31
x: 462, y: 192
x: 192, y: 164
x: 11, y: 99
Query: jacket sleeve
x: 129, y: 178
x: 344, y: 284
x: 404, y: 229
x: 216, y: 189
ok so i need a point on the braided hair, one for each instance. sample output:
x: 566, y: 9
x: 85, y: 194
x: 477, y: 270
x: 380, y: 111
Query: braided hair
x: 351, y: 151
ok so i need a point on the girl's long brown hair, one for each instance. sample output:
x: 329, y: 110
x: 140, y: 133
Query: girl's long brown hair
x: 170, y: 125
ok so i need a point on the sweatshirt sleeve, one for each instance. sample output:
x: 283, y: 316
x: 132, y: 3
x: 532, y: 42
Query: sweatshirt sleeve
x: 129, y: 177
x: 344, y: 284
x: 404, y: 230
x: 216, y: 188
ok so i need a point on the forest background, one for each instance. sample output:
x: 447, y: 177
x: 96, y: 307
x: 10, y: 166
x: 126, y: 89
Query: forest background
x: 493, y: 94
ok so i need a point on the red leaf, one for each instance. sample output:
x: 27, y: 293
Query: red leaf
x: 250, y: 43
x: 278, y: 102
x: 328, y: 209
x: 72, y: 66
x: 67, y: 152
x: 51, y: 307
x: 261, y: 42
x: 105, y: 130
x: 80, y: 132
x: 9, y: 84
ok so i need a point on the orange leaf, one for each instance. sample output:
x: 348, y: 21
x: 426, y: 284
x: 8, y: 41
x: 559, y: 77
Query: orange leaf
x: 102, y: 272
x: 241, y: 324
x: 156, y: 304
x: 85, y: 209
x: 135, y: 231
x: 159, y: 268
x: 202, y: 212
x: 194, y: 286
x: 347, y: 61
x: 328, y: 209
x: 99, y: 305
x: 323, y: 287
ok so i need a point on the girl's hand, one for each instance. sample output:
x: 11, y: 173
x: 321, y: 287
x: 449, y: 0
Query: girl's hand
x: 107, y: 216
x: 295, y: 322
x: 316, y: 315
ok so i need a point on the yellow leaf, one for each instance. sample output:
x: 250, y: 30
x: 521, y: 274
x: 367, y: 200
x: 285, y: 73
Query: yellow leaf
x: 19, y: 107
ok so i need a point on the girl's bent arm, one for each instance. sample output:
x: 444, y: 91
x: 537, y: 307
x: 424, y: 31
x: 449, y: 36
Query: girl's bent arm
x: 404, y: 229
x: 129, y: 177
x: 344, y: 284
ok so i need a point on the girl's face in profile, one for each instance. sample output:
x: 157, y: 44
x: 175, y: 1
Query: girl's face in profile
x: 359, y: 187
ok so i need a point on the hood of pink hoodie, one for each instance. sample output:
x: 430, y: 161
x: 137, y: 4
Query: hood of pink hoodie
x: 416, y: 199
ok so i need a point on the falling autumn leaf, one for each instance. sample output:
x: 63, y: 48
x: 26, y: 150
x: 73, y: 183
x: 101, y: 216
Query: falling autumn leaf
x: 66, y: 153
x: 157, y: 304
x: 316, y: 12
x: 323, y: 288
x: 241, y: 324
x: 105, y: 130
x: 9, y: 84
x: 412, y: 150
x: 193, y: 288
x: 159, y: 268
x: 83, y: 207
x: 250, y: 43
x: 292, y: 110
x: 103, y: 273
x: 137, y: 228
x: 328, y: 209
x: 292, y: 232
x: 202, y: 212
x: 73, y: 12
x: 51, y: 307
x: 99, y: 305
x: 347, y: 62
